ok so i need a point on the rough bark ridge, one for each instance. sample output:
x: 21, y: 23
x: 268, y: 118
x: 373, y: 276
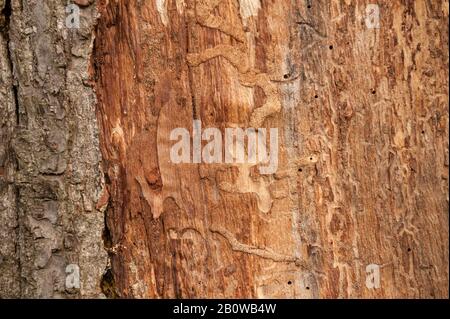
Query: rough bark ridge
x: 363, y: 173
x: 49, y: 158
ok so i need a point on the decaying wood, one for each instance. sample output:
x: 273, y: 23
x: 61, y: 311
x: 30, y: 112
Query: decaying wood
x: 85, y: 169
x: 363, y: 154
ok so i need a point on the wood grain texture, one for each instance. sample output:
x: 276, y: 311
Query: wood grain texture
x: 363, y: 160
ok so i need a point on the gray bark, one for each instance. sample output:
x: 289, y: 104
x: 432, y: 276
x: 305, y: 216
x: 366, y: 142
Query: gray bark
x: 49, y: 156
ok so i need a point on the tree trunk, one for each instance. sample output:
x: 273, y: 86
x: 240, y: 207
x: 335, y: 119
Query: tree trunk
x: 50, y: 159
x: 356, y: 208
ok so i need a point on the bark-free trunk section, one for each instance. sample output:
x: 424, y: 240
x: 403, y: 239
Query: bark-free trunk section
x: 363, y: 158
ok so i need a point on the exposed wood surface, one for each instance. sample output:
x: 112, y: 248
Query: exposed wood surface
x: 363, y: 172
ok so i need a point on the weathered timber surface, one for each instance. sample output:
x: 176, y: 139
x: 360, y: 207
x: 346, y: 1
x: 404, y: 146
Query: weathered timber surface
x: 85, y: 173
x: 363, y: 173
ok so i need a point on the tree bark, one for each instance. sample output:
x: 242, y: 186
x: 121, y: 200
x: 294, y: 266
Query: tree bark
x: 50, y: 175
x: 86, y: 176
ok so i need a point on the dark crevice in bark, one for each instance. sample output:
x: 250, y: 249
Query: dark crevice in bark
x: 107, y: 239
x: 5, y: 22
x: 108, y: 285
x: 6, y: 13
x: 16, y: 103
